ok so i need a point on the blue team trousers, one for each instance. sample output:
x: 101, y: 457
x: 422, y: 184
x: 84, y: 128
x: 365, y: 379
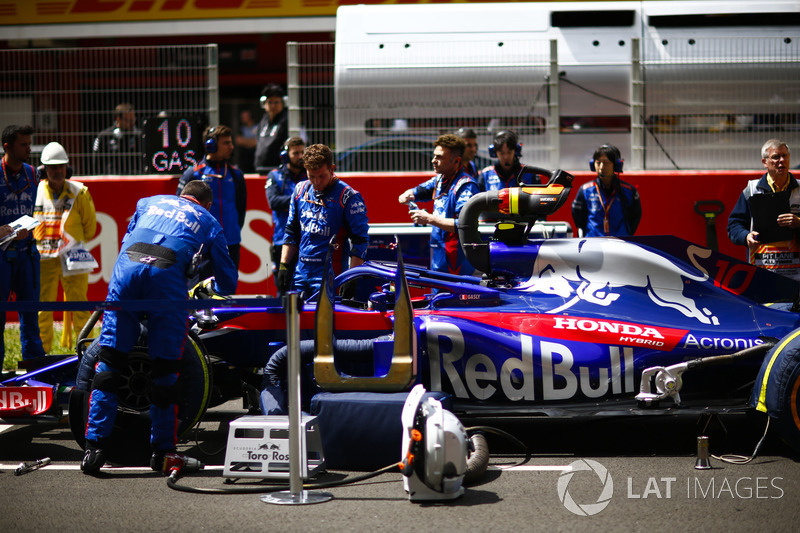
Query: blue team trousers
x: 19, y: 274
x: 167, y: 332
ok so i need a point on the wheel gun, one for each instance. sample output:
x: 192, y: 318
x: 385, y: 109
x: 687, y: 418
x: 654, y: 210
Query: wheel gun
x: 194, y: 266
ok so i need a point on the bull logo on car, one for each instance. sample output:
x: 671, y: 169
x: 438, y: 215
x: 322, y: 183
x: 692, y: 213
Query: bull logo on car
x: 598, y: 266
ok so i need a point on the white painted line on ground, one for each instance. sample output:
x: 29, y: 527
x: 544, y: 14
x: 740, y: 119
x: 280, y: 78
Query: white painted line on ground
x: 531, y: 468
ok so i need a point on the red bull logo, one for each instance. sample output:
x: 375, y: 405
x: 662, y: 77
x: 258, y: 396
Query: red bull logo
x: 600, y: 266
x: 515, y: 379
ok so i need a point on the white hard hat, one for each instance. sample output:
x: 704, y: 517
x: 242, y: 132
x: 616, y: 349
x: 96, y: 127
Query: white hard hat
x: 54, y: 154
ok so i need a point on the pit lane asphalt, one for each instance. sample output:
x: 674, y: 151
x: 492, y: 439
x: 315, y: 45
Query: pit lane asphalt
x: 651, y: 465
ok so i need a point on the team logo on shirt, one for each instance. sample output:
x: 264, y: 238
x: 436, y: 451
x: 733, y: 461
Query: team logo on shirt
x: 357, y: 208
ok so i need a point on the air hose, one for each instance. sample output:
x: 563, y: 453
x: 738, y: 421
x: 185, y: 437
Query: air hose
x: 173, y: 484
x: 477, y: 463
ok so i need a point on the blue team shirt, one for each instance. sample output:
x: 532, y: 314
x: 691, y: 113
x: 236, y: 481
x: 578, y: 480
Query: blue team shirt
x: 17, y: 195
x: 223, y: 206
x: 182, y: 226
x: 279, y: 189
x: 449, y: 197
x: 313, y: 220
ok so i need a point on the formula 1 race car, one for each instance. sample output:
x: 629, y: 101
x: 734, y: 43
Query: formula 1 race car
x: 554, y: 327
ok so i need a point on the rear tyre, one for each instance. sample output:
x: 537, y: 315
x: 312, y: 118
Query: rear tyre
x: 129, y: 442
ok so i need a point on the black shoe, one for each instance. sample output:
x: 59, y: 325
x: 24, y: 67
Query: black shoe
x: 93, y: 458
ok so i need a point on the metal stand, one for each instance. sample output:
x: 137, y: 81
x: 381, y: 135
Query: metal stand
x: 295, y: 495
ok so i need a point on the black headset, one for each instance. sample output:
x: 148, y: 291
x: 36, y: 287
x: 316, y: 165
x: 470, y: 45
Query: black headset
x: 517, y: 148
x: 211, y: 143
x: 285, y: 155
x: 617, y: 158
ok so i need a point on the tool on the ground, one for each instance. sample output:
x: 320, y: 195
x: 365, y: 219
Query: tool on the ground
x: 176, y: 464
x: 24, y: 468
x: 703, y: 462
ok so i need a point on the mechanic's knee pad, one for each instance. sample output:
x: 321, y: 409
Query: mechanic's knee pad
x: 164, y: 367
x: 163, y: 396
x: 107, y: 382
x: 112, y: 357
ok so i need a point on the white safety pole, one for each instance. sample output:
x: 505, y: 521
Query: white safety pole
x: 295, y: 495
x: 295, y: 446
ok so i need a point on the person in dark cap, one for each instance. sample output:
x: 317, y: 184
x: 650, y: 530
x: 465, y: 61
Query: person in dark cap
x: 471, y: 150
x: 273, y: 130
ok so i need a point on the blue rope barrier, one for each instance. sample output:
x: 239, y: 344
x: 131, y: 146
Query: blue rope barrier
x: 252, y: 304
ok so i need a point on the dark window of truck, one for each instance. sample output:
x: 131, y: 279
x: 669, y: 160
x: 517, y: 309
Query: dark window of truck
x: 589, y: 19
x: 724, y: 20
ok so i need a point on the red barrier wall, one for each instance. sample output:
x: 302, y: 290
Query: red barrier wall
x: 668, y: 200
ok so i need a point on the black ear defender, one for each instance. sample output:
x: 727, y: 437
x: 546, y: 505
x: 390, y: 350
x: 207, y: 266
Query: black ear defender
x: 285, y: 155
x: 211, y: 143
x: 616, y: 158
x: 500, y: 139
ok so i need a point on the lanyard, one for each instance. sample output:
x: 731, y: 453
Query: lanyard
x: 191, y: 199
x: 221, y: 177
x: 321, y: 201
x: 8, y: 184
x: 444, y: 185
x: 605, y: 207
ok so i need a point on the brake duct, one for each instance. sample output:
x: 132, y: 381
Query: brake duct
x: 526, y: 203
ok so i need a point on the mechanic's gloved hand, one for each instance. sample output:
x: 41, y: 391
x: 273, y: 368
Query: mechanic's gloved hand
x: 348, y: 289
x: 203, y: 290
x: 283, y: 278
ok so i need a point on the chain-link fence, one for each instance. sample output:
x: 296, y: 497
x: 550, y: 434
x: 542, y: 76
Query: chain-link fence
x: 704, y: 103
x: 710, y: 103
x: 694, y: 104
x: 381, y: 108
x: 94, y: 101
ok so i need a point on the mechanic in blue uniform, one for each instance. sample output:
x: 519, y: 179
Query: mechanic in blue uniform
x: 163, y: 236
x: 782, y: 255
x: 227, y: 185
x: 321, y: 208
x: 19, y: 260
x: 279, y: 188
x: 503, y: 174
x: 449, y: 189
x: 470, y: 150
x: 607, y: 206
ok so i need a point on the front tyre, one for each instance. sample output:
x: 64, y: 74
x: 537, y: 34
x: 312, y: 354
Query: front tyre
x: 777, y: 388
x: 129, y: 442
x: 788, y: 420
